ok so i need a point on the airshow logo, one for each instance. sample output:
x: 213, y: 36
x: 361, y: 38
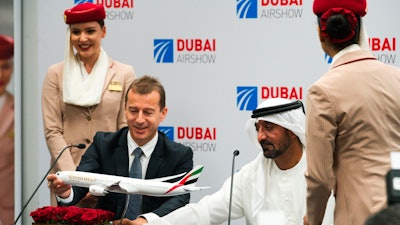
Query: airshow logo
x: 164, y: 50
x: 246, y: 9
x: 200, y: 139
x: 269, y: 9
x: 168, y: 131
x: 247, y: 96
x: 384, y: 49
x: 115, y: 9
x: 185, y: 51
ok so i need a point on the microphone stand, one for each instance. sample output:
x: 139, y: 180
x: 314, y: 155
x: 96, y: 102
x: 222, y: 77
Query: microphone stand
x: 235, y: 153
x: 81, y: 146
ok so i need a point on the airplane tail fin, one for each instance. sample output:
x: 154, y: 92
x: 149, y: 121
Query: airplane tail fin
x: 192, y: 176
x: 188, y: 181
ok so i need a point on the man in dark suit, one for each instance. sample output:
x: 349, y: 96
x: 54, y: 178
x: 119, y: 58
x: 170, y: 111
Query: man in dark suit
x: 111, y: 153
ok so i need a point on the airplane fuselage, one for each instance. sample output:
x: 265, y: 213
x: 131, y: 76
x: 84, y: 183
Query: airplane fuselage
x: 98, y: 183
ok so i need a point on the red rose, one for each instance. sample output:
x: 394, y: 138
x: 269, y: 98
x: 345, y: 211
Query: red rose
x: 44, y: 214
x: 90, y: 217
x: 59, y: 213
x: 74, y: 214
x: 104, y: 215
x: 71, y: 215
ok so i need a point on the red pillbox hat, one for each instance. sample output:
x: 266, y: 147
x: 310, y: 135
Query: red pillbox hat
x: 358, y: 7
x: 6, y: 47
x: 84, y: 12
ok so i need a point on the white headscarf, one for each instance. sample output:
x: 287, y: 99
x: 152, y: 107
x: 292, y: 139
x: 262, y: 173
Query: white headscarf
x: 76, y: 90
x: 293, y: 120
x: 363, y: 41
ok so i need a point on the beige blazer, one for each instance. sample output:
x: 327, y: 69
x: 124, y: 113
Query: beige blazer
x: 66, y: 124
x: 353, y: 123
x: 7, y: 160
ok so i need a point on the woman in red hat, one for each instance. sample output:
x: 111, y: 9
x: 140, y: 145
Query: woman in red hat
x: 84, y: 93
x: 6, y: 131
x: 353, y: 119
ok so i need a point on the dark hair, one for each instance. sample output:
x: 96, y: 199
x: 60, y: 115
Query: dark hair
x: 387, y: 216
x: 145, y: 85
x: 338, y: 27
x: 101, y: 22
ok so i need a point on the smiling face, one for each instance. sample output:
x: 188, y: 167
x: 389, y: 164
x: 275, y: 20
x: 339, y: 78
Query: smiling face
x: 6, y: 70
x: 144, y: 114
x: 86, y: 39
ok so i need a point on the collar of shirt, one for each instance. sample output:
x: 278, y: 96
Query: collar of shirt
x: 350, y: 48
x: 147, y: 149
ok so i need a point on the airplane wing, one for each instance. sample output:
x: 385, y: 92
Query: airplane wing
x: 194, y: 188
x: 101, y: 190
x: 116, y: 187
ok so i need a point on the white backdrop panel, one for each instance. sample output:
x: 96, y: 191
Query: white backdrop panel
x: 275, y: 52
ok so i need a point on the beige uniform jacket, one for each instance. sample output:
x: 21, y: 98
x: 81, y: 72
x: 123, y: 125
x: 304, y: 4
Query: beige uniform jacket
x: 66, y: 124
x: 353, y: 123
x: 7, y: 160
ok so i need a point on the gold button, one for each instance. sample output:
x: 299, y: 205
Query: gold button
x: 88, y: 118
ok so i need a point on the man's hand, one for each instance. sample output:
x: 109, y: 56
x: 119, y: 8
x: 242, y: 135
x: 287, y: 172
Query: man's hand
x: 125, y: 221
x: 57, y: 186
x: 89, y: 201
x: 305, y: 220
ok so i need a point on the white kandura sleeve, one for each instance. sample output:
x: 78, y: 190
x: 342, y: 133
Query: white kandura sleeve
x: 191, y: 214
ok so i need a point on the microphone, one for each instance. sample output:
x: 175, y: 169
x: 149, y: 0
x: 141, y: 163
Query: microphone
x: 235, y: 153
x: 80, y: 146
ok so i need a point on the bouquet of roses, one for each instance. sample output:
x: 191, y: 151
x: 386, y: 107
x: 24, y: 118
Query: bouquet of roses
x: 71, y: 215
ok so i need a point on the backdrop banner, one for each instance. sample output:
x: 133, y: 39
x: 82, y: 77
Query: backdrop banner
x: 217, y: 60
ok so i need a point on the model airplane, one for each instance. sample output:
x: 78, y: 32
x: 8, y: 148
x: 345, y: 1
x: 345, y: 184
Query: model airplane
x: 102, y: 184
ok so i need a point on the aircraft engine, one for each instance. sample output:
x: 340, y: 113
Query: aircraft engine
x: 97, y: 190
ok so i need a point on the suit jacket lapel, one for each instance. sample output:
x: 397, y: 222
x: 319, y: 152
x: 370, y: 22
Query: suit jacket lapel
x: 156, y: 159
x: 122, y: 166
x: 109, y: 76
x: 122, y: 155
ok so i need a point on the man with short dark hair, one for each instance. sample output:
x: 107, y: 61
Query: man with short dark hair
x: 112, y: 153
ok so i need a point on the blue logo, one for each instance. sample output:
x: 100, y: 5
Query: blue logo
x: 246, y: 98
x: 168, y: 131
x: 164, y: 50
x: 246, y: 9
x: 82, y: 1
x: 328, y: 59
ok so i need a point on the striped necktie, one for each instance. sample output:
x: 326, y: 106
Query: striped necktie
x: 134, y: 207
